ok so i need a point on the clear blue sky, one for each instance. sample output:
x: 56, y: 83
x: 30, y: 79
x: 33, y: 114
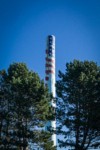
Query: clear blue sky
x: 25, y: 24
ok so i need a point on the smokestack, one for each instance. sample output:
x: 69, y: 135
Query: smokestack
x: 50, y: 77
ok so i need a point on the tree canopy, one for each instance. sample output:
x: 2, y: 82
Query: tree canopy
x: 78, y: 105
x: 24, y: 109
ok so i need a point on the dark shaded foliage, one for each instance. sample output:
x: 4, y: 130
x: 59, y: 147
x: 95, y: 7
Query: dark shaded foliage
x: 78, y: 105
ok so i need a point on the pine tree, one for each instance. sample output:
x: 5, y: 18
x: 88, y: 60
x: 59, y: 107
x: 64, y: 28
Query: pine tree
x: 25, y: 103
x: 78, y: 105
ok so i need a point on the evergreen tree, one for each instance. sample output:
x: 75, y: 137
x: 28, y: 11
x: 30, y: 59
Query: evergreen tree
x: 25, y: 105
x: 78, y: 105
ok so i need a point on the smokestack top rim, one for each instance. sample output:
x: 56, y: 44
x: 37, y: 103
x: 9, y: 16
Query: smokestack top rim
x: 51, y: 35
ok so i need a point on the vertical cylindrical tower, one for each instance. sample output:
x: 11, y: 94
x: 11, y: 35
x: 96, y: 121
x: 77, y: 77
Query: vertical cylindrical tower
x: 50, y: 77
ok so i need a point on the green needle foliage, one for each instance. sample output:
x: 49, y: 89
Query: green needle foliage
x: 78, y: 105
x: 24, y: 108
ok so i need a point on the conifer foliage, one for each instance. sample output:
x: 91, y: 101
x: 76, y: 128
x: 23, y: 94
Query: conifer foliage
x: 78, y: 105
x: 24, y: 108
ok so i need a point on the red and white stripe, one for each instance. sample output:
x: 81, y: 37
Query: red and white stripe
x: 49, y: 66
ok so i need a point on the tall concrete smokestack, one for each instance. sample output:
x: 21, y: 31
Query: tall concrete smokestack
x: 50, y: 77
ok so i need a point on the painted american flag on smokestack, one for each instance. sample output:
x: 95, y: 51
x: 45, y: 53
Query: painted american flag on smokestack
x: 50, y: 62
